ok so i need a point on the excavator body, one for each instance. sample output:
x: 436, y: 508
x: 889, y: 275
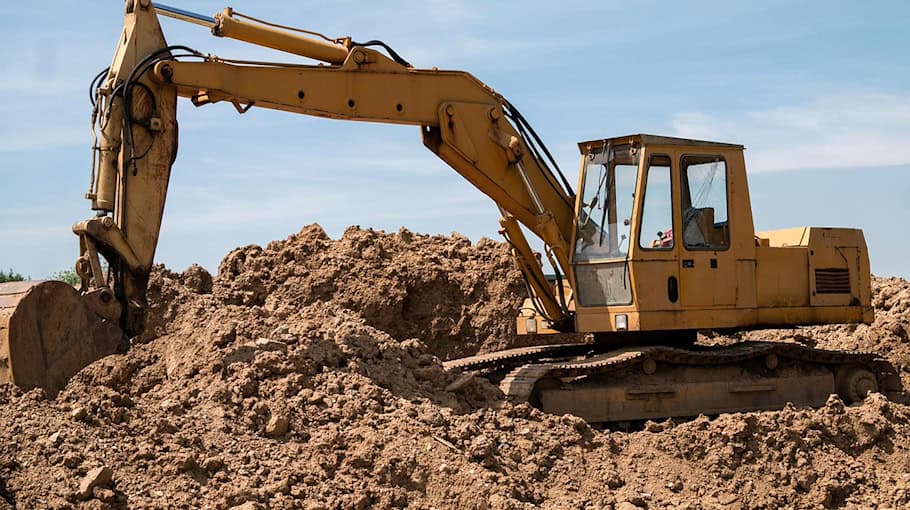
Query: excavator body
x: 665, y: 242
x: 658, y: 243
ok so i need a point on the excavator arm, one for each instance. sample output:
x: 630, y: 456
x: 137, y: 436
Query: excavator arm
x: 463, y: 121
x: 49, y: 331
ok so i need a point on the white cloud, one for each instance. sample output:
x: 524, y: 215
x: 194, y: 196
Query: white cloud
x: 847, y: 129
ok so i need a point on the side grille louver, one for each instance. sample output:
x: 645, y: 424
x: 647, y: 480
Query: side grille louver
x: 832, y: 281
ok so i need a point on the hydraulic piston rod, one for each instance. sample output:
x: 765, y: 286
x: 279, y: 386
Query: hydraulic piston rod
x: 260, y: 33
x: 182, y: 15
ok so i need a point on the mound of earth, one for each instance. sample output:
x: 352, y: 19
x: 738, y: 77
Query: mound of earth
x: 307, y: 375
x: 458, y: 298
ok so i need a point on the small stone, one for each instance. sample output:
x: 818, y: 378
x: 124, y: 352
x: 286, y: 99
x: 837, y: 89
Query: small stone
x: 104, y: 495
x: 164, y: 426
x: 79, y: 413
x: 282, y: 486
x: 98, y: 477
x: 186, y: 462
x: 197, y: 279
x: 55, y: 439
x: 212, y: 464
x: 727, y: 499
x: 249, y: 505
x: 625, y: 505
x: 261, y: 408
x: 171, y: 406
x: 72, y: 460
x: 278, y: 425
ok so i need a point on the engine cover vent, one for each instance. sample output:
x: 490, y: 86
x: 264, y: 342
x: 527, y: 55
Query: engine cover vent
x: 832, y: 281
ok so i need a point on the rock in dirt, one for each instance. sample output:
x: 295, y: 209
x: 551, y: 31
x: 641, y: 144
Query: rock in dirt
x: 278, y: 425
x: 212, y: 464
x: 97, y: 477
x: 185, y: 462
x: 79, y: 413
x: 249, y: 505
x: 197, y: 279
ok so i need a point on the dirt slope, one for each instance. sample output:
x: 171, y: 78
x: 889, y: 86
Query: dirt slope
x: 307, y: 375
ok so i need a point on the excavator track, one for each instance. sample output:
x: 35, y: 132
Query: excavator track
x: 663, y: 381
x: 512, y: 356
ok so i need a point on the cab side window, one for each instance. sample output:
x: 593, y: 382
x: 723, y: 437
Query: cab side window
x: 657, y: 211
x: 705, y: 221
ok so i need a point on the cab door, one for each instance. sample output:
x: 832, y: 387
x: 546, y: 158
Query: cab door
x: 707, y: 266
x: 656, y: 260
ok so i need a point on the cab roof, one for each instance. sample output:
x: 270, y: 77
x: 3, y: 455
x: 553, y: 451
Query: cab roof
x: 645, y: 139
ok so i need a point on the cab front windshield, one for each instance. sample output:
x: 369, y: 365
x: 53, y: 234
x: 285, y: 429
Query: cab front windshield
x: 607, y: 197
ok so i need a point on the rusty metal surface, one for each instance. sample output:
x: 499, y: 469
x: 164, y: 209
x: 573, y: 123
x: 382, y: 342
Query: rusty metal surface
x: 47, y: 334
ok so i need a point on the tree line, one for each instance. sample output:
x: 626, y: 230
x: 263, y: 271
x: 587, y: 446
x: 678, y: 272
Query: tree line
x: 69, y: 276
x: 10, y: 276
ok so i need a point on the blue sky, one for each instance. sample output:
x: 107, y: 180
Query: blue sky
x: 819, y: 92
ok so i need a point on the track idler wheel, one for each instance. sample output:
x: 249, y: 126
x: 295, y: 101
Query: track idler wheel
x: 48, y: 333
x: 854, y: 382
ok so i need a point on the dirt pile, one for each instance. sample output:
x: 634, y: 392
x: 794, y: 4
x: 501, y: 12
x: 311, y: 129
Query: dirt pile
x: 307, y: 375
x: 450, y: 294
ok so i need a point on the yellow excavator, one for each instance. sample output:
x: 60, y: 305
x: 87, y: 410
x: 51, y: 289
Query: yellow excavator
x: 657, y: 244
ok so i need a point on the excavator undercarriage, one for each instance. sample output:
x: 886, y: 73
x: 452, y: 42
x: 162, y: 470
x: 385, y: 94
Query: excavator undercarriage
x: 657, y: 381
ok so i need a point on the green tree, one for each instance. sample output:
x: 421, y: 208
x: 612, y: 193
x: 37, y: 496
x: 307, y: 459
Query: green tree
x: 68, y: 276
x: 10, y: 277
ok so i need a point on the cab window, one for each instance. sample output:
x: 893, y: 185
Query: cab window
x: 705, y: 222
x: 608, y: 193
x: 657, y: 210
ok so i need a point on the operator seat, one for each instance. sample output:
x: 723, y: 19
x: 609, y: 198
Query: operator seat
x: 698, y: 224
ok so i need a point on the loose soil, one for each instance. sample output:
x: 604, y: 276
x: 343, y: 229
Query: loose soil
x: 307, y: 374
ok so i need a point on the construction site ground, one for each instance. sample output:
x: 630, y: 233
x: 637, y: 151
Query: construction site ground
x: 308, y: 374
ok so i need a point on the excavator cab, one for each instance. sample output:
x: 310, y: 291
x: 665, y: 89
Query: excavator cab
x: 664, y: 245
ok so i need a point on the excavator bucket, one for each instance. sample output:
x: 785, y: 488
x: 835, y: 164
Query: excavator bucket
x: 48, y: 334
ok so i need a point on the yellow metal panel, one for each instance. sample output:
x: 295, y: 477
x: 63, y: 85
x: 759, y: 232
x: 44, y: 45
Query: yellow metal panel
x: 770, y: 317
x: 745, y: 284
x: 797, y: 236
x: 651, y: 283
x: 782, y: 277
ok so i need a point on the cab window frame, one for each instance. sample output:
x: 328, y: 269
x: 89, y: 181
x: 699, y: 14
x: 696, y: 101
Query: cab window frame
x: 645, y: 185
x: 684, y: 186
